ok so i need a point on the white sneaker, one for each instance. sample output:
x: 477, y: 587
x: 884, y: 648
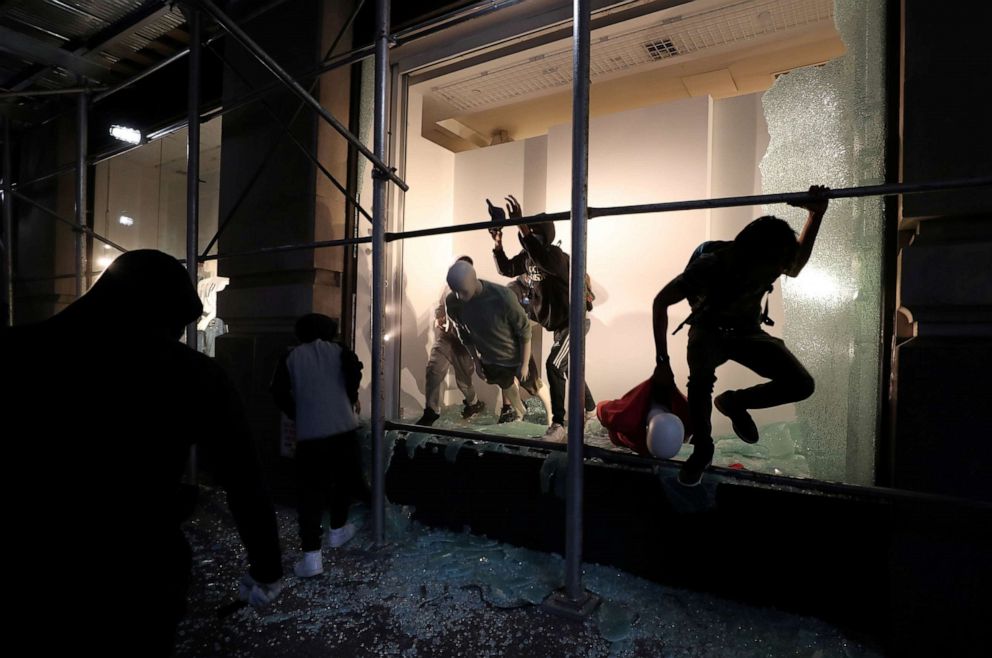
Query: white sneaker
x: 311, y: 564
x: 338, y: 537
x: 556, y: 433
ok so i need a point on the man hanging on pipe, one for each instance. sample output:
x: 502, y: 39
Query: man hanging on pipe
x: 725, y: 283
x: 546, y: 301
x: 492, y: 326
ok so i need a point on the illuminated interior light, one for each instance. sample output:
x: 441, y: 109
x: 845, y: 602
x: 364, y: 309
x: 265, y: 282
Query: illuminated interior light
x: 104, y: 261
x: 126, y: 221
x: 125, y: 134
x: 816, y: 284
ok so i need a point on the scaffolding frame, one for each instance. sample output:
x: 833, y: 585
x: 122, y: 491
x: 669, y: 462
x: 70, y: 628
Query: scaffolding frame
x: 573, y: 600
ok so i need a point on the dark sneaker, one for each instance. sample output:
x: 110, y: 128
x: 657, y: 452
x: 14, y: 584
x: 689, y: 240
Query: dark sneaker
x: 744, y: 426
x: 469, y: 410
x: 508, y: 415
x: 691, y: 472
x: 428, y: 418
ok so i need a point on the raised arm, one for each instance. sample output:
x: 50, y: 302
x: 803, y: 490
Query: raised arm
x: 817, y: 207
x: 663, y: 378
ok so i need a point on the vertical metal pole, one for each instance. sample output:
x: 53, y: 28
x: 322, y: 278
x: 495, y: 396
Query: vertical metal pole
x: 379, y: 272
x: 193, y: 157
x: 577, y: 313
x: 8, y: 220
x: 82, y: 128
x: 193, y: 181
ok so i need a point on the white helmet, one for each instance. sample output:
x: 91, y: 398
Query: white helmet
x: 665, y: 433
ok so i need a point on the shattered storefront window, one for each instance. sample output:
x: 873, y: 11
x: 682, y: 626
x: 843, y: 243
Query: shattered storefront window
x: 833, y: 309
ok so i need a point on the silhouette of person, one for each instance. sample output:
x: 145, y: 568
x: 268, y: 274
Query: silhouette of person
x: 316, y: 384
x: 725, y: 283
x: 103, y: 406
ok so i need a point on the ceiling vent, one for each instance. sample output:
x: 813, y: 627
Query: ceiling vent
x: 660, y: 49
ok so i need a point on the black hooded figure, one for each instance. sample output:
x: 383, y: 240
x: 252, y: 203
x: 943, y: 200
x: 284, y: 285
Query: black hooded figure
x: 102, y: 405
x: 546, y: 300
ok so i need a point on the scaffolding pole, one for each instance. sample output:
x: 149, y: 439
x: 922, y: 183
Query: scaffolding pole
x: 82, y: 130
x: 287, y: 126
x: 8, y: 221
x: 69, y: 222
x: 575, y: 602
x: 193, y: 157
x: 266, y: 60
x: 194, y: 26
x: 379, y: 272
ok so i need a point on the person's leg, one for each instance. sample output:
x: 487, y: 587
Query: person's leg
x: 512, y: 395
x: 341, y: 473
x: 590, y: 402
x: 705, y: 353
x: 555, y: 367
x: 770, y: 358
x: 310, y: 495
x: 545, y: 397
x: 437, y: 368
x: 464, y: 367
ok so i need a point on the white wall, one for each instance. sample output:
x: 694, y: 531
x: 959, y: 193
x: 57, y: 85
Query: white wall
x: 640, y: 156
x: 430, y: 173
x: 738, y: 141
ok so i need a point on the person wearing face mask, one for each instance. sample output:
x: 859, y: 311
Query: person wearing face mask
x: 491, y: 324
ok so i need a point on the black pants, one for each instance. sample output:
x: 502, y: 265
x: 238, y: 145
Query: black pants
x: 710, y: 347
x: 328, y: 474
x: 557, y: 367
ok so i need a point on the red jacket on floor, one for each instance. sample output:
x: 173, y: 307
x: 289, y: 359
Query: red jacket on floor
x: 626, y: 418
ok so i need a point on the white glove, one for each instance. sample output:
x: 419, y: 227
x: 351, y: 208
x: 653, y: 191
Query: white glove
x: 258, y: 595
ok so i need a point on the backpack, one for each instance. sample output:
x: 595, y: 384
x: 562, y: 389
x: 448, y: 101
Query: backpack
x: 712, y: 247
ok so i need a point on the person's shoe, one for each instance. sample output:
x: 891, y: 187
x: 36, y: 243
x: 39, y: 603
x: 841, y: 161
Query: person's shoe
x: 310, y: 565
x: 338, y: 537
x: 691, y: 472
x: 508, y: 414
x: 428, y: 418
x: 556, y: 433
x: 469, y: 410
x: 743, y: 424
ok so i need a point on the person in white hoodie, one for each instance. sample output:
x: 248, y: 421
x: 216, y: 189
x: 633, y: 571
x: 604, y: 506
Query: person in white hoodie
x: 316, y: 385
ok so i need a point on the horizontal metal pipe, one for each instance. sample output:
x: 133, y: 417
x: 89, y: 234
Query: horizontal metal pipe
x: 268, y: 62
x: 64, y: 169
x: 49, y: 92
x: 884, y: 189
x: 720, y: 474
x: 75, y: 227
x: 477, y: 436
x: 141, y: 76
x: 344, y: 242
x: 701, y: 204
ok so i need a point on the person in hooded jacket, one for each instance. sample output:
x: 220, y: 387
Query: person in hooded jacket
x: 546, y: 301
x: 102, y: 406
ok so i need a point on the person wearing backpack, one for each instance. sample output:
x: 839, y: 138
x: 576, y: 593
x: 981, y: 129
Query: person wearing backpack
x: 546, y: 301
x: 724, y: 283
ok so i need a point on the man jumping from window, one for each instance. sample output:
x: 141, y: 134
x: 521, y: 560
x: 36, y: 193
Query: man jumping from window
x: 724, y: 283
